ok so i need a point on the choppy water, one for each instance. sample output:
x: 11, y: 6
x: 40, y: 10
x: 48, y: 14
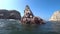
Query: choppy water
x: 14, y: 27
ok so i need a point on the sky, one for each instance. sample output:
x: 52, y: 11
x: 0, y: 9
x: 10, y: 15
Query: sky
x: 42, y: 8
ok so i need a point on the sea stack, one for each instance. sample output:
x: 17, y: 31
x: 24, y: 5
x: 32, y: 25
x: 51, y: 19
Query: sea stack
x: 55, y: 16
x: 29, y: 18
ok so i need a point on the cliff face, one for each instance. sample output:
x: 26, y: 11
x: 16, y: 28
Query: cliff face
x: 55, y: 16
x: 9, y: 14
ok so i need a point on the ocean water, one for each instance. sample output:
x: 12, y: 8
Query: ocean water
x: 10, y: 26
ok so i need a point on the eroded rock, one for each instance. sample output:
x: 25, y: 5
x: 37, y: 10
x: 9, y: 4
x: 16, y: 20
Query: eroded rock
x: 29, y: 18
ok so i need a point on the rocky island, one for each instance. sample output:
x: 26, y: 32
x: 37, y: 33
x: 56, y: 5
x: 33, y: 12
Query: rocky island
x: 55, y: 16
x: 9, y: 14
x: 29, y: 18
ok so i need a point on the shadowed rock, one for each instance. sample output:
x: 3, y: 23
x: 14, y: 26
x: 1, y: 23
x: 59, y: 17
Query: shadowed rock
x: 9, y: 14
x: 29, y: 18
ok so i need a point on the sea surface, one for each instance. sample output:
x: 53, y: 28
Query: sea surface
x: 11, y: 26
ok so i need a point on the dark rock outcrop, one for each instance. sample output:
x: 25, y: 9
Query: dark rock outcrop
x: 9, y: 14
x: 29, y: 18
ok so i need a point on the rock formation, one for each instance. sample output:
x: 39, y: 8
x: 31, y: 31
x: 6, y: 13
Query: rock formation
x: 55, y: 16
x: 9, y: 14
x: 29, y: 18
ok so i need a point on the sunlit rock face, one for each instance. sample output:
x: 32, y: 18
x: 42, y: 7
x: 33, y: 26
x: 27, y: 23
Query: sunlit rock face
x: 9, y: 14
x: 55, y: 16
x: 29, y: 18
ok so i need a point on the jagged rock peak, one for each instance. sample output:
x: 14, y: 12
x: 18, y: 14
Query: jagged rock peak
x: 27, y: 7
x: 28, y: 12
x: 55, y: 16
x: 29, y: 18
